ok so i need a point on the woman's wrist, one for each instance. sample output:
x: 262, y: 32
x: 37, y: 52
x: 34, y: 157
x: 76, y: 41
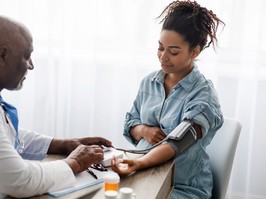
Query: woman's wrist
x: 140, y: 164
x: 141, y: 130
x: 137, y: 132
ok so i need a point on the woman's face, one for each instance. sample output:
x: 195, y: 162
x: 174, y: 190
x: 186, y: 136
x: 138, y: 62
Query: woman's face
x: 174, y: 54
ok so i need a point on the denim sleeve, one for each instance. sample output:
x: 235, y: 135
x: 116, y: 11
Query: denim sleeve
x: 205, y: 110
x: 130, y: 121
x: 133, y: 118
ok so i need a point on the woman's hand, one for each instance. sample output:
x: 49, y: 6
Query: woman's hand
x: 123, y: 166
x: 152, y: 134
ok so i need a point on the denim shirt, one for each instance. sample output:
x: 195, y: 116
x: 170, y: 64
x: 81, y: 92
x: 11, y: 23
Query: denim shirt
x: 193, y: 98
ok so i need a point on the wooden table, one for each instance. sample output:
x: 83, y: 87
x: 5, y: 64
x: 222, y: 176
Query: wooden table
x: 152, y: 183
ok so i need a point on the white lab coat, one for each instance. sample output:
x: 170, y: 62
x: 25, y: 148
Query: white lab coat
x: 24, y: 178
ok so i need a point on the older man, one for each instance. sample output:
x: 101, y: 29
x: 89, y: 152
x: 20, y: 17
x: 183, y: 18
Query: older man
x: 21, y: 177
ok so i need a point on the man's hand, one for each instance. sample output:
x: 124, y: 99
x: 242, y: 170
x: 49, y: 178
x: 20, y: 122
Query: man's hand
x: 83, y: 157
x: 66, y: 146
x: 73, y: 143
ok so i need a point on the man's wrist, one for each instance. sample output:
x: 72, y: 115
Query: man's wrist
x: 56, y: 147
x: 73, y: 164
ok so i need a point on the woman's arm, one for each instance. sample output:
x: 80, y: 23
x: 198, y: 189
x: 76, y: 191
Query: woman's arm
x: 157, y: 156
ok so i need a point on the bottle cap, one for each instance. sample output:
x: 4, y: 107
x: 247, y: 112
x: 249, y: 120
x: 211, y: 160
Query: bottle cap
x: 111, y: 194
x: 111, y: 178
x: 126, y: 193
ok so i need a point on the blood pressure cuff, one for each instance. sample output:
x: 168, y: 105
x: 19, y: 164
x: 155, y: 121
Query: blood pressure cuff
x: 184, y: 143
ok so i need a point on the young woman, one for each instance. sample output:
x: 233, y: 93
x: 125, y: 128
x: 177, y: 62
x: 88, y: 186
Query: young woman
x: 177, y: 92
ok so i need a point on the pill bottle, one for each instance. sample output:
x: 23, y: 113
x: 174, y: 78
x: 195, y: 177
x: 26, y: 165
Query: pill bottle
x: 111, y: 181
x: 126, y: 193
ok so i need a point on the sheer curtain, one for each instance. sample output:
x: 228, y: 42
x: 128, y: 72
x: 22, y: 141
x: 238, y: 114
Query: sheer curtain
x: 91, y: 55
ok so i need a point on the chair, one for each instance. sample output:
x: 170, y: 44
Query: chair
x: 221, y: 152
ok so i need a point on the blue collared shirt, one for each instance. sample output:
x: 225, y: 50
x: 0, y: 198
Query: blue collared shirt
x: 193, y: 98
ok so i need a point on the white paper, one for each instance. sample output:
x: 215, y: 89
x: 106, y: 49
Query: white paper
x: 83, y: 180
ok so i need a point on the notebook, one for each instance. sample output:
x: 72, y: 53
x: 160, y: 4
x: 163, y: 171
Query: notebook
x: 84, y: 180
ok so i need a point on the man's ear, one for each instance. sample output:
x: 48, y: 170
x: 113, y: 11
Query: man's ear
x: 3, y: 54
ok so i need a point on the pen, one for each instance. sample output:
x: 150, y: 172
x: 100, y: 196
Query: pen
x: 93, y: 174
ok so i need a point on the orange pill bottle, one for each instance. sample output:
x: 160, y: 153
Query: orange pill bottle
x: 111, y: 181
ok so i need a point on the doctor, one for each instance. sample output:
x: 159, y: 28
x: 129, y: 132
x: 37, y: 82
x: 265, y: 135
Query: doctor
x: 21, y: 177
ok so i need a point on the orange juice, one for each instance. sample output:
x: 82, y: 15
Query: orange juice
x: 111, y: 182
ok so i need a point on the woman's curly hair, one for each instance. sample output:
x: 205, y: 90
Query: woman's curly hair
x: 196, y: 24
